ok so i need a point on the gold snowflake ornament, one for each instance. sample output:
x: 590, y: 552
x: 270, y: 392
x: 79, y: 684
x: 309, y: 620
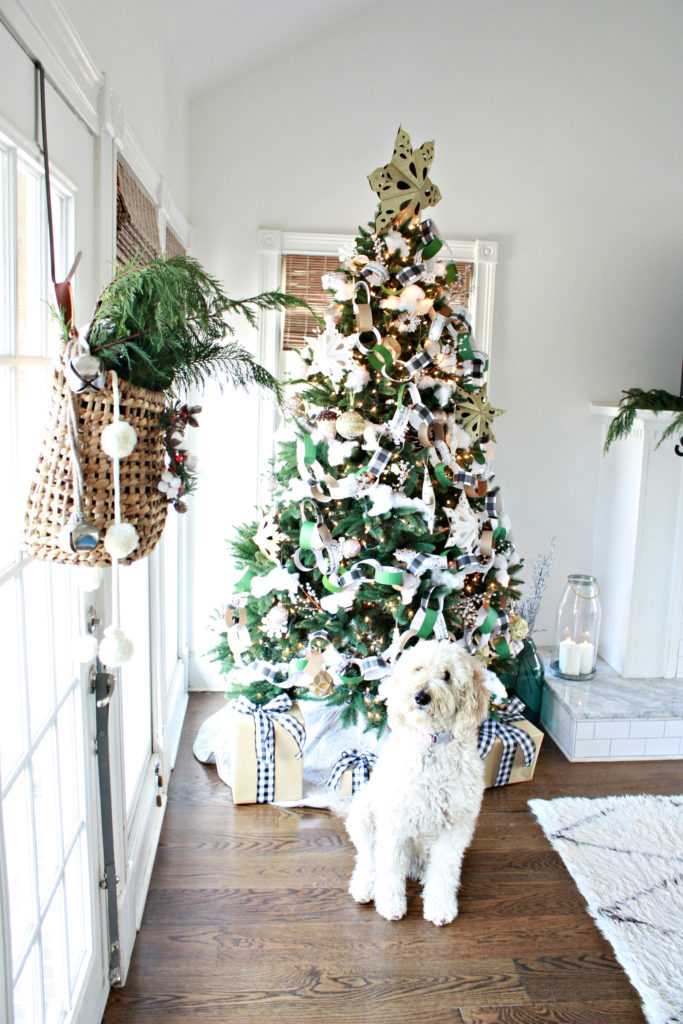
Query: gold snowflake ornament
x: 268, y: 537
x: 402, y: 185
x: 476, y: 415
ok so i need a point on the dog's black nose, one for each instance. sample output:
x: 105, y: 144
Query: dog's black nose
x: 422, y: 698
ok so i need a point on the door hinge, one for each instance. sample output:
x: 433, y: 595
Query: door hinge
x: 160, y: 784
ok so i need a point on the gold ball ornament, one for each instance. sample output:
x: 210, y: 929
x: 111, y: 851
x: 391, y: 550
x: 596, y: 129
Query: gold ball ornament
x: 350, y: 425
x: 356, y: 263
x: 322, y: 685
x: 393, y: 345
x: 519, y: 627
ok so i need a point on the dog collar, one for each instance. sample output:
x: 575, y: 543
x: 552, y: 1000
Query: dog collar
x: 436, y: 737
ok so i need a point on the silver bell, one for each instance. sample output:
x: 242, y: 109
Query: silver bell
x: 85, y: 373
x: 79, y: 538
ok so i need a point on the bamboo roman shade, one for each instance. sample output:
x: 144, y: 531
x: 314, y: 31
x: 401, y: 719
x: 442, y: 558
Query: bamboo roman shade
x: 301, y: 276
x: 174, y: 247
x: 137, y: 224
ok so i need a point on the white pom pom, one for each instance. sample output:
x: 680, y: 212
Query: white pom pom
x: 121, y: 539
x: 90, y: 577
x: 115, y: 647
x: 118, y: 439
x: 85, y: 648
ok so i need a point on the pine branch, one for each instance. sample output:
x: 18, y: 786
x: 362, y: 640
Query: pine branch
x: 655, y: 401
x: 163, y: 326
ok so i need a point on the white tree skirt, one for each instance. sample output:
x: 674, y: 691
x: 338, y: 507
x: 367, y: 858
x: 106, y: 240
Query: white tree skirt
x: 326, y: 740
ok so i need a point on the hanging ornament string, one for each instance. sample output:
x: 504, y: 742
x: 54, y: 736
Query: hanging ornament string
x: 121, y: 538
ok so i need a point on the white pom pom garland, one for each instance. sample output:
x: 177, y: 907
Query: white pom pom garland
x: 118, y: 439
x: 90, y: 577
x: 115, y: 648
x: 121, y: 539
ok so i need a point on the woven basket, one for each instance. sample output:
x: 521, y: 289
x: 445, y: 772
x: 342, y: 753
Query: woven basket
x: 51, y: 498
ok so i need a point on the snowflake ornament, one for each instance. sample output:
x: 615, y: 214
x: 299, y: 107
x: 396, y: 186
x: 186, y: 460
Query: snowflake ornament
x: 347, y: 251
x: 476, y: 415
x: 408, y: 322
x: 331, y: 352
x: 268, y: 537
x: 464, y: 526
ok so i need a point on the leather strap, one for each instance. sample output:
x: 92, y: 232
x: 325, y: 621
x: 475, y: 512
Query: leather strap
x: 63, y: 292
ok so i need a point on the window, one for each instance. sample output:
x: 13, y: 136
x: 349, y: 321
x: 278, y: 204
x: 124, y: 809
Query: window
x: 137, y: 224
x: 302, y: 276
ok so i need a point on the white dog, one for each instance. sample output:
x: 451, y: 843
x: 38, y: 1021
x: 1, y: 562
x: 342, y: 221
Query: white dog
x: 416, y: 815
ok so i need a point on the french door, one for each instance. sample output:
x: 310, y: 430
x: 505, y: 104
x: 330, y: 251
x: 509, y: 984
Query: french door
x: 55, y: 953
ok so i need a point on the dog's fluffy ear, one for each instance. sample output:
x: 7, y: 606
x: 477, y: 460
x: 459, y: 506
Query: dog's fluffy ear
x: 480, y: 693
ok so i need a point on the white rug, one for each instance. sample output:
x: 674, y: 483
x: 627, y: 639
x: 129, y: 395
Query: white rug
x: 625, y: 854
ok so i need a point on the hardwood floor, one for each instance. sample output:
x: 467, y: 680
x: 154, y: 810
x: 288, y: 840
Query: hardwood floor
x: 248, y: 917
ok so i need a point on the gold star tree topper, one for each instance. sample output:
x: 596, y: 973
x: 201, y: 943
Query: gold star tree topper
x: 402, y: 185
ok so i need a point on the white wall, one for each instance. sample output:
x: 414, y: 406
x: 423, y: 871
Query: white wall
x: 126, y: 40
x: 557, y: 129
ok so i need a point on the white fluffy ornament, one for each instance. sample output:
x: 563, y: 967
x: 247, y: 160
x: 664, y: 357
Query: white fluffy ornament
x: 357, y: 378
x: 395, y: 242
x: 121, y: 539
x: 118, y: 439
x: 115, y: 647
x: 90, y: 577
x: 85, y: 648
x: 410, y: 297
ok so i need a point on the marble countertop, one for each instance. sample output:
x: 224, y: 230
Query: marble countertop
x: 611, y: 696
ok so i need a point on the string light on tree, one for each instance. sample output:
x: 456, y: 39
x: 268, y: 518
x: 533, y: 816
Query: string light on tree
x: 384, y: 453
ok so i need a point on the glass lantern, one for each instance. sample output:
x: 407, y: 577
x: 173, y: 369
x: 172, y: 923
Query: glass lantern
x: 577, y: 629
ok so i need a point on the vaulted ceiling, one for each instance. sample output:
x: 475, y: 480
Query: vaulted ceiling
x: 214, y: 41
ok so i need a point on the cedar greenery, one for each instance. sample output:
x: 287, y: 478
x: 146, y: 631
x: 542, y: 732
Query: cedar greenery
x: 162, y: 326
x: 656, y: 401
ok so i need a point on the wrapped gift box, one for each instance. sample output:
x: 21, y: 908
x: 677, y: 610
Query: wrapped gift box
x: 247, y: 778
x: 520, y: 772
x: 351, y: 762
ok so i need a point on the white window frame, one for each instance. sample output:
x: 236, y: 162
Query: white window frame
x: 273, y: 244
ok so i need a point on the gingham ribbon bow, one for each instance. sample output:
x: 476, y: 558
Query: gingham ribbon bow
x: 361, y: 764
x: 265, y: 717
x: 511, y: 737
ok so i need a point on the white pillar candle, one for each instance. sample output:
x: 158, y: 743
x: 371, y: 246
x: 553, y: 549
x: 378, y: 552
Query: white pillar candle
x: 586, y: 651
x: 570, y: 657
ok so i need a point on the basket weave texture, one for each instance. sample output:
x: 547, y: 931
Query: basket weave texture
x: 51, y: 497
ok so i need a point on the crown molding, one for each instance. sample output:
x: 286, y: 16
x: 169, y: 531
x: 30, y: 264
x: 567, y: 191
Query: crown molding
x: 46, y: 29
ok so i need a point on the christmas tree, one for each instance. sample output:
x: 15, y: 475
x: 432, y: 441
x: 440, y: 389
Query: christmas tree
x: 384, y: 524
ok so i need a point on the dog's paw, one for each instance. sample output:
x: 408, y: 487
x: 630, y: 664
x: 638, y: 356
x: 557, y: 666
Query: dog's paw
x: 440, y: 913
x: 362, y: 888
x: 392, y: 907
